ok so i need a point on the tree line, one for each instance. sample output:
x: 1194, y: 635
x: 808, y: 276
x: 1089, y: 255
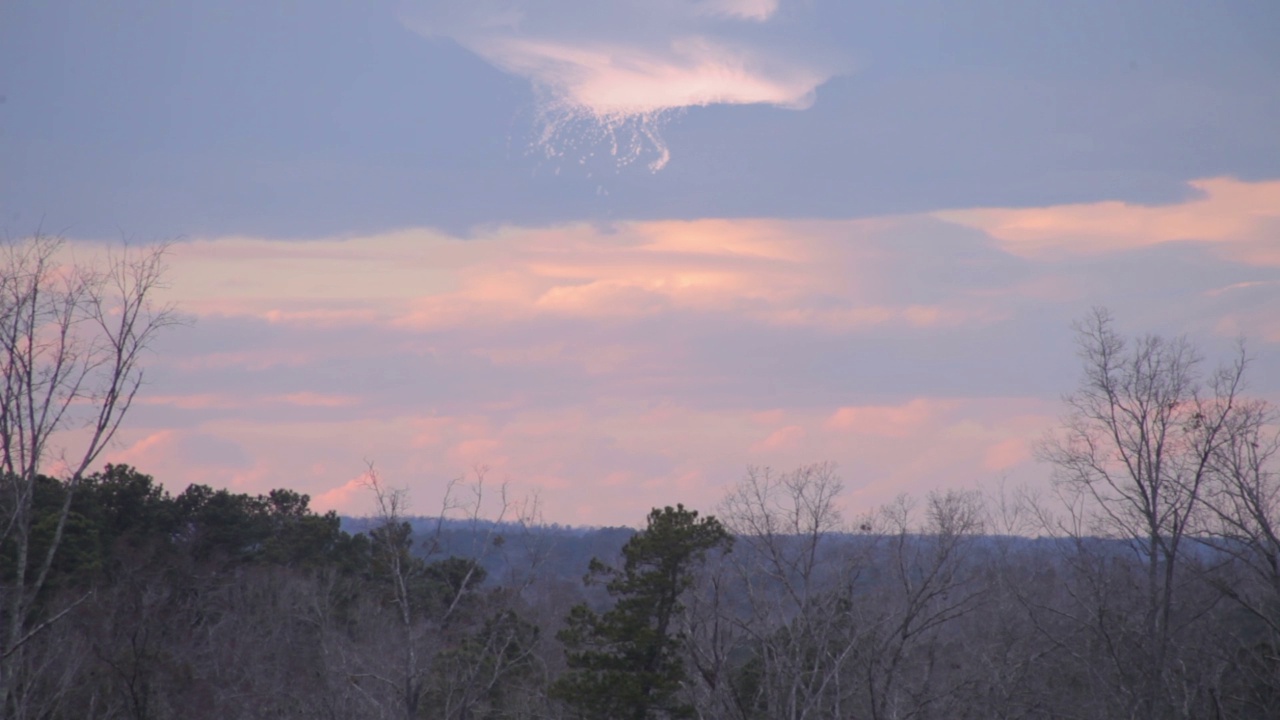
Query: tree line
x: 1143, y: 583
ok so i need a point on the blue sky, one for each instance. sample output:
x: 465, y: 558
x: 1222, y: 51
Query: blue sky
x: 300, y: 118
x: 624, y: 249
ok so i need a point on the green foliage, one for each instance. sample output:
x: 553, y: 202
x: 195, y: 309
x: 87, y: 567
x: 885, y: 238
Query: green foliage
x: 120, y: 512
x: 278, y: 528
x: 451, y: 578
x: 626, y: 663
x: 127, y: 505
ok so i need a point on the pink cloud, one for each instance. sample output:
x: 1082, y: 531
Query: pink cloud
x: 622, y: 72
x: 612, y: 461
x: 1241, y: 216
x: 304, y: 312
x: 1006, y: 454
x: 1259, y: 323
x: 758, y: 10
x: 478, y: 451
x: 613, y: 369
x: 142, y: 452
x: 199, y: 401
x: 313, y: 399
x: 769, y: 417
x: 787, y: 438
x: 179, y: 458
x: 316, y: 281
x: 888, y: 421
x: 213, y: 401
x: 803, y: 273
x: 618, y: 80
x: 251, y: 360
x: 602, y: 298
x: 343, y: 498
x: 612, y: 72
x: 742, y: 239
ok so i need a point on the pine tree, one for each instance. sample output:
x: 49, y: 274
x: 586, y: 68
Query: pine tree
x: 626, y: 663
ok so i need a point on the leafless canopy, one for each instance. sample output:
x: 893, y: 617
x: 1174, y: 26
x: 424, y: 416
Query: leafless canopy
x: 72, y: 340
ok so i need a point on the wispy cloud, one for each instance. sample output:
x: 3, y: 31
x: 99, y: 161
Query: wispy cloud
x: 618, y: 366
x: 622, y: 80
x: 227, y: 401
x: 635, y: 56
x: 822, y: 274
x: 1243, y: 217
x: 623, y: 64
x: 596, y: 462
x: 887, y: 421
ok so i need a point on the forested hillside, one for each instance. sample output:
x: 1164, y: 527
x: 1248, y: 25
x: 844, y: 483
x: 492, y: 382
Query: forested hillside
x: 211, y: 604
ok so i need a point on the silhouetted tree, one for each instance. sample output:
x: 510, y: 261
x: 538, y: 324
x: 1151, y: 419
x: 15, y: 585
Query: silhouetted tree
x: 72, y: 340
x: 626, y: 663
x: 1133, y: 464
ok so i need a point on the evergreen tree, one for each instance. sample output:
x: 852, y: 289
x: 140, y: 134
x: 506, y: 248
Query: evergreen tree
x: 626, y: 663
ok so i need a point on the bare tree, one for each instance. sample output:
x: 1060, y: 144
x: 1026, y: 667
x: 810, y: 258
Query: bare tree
x: 929, y: 583
x: 1132, y: 464
x: 72, y: 341
x: 790, y: 583
x: 1244, y: 504
x: 833, y: 623
x: 429, y: 641
x: 1243, y: 524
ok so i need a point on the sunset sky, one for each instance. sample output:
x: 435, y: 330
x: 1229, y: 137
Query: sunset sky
x: 617, y: 251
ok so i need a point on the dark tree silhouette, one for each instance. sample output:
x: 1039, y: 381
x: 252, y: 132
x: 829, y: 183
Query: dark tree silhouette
x: 626, y: 663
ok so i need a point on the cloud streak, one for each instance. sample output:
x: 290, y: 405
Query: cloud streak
x: 820, y: 274
x: 1242, y: 217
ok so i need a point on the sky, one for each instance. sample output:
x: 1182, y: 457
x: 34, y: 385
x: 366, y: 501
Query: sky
x: 615, y: 253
